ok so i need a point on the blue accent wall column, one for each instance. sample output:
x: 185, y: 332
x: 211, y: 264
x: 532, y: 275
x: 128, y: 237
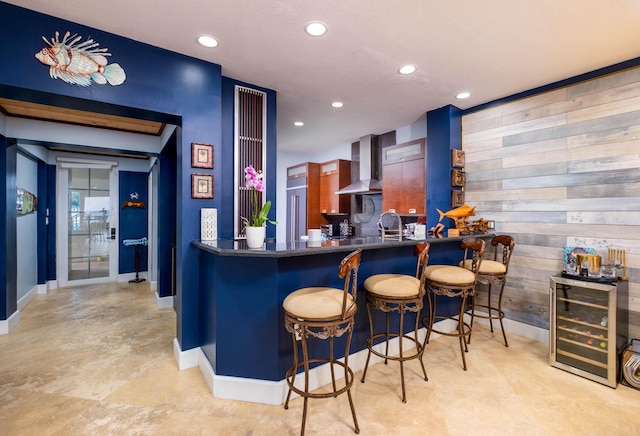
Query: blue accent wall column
x: 42, y: 223
x: 444, y: 133
x: 167, y: 218
x: 8, y: 238
x: 225, y: 221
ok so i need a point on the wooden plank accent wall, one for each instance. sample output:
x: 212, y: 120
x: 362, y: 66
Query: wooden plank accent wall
x: 559, y: 169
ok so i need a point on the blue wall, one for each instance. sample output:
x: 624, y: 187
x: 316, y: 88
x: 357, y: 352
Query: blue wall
x: 444, y: 133
x: 166, y: 219
x: 225, y: 221
x: 132, y: 220
x: 8, y: 265
x: 160, y: 85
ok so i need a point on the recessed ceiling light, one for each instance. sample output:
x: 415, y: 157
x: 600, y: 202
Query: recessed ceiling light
x: 207, y: 41
x: 337, y: 104
x: 407, y: 69
x: 298, y: 123
x: 463, y: 95
x: 316, y: 28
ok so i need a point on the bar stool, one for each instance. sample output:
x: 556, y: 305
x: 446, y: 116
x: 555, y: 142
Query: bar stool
x: 324, y: 313
x: 494, y: 272
x: 397, y: 293
x: 457, y: 282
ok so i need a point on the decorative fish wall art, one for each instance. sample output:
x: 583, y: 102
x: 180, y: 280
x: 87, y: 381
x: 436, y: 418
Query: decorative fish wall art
x: 79, y: 63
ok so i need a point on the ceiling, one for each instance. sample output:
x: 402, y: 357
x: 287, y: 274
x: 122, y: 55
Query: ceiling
x: 490, y: 48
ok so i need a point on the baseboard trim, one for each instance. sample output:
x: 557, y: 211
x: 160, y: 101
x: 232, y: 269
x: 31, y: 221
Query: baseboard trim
x: 9, y: 324
x: 274, y: 392
x: 163, y: 302
x: 28, y: 298
x: 185, y: 359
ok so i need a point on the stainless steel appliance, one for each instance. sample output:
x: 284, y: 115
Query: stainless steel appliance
x: 329, y: 230
x: 297, y: 213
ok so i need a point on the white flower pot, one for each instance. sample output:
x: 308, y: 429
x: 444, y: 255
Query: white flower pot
x: 255, y: 236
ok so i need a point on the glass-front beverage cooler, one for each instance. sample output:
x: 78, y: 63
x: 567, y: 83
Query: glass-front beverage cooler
x: 588, y: 326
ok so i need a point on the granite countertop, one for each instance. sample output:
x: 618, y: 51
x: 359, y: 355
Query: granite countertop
x: 227, y: 247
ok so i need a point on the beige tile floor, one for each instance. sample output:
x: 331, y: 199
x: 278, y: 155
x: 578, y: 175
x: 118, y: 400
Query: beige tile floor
x: 98, y: 360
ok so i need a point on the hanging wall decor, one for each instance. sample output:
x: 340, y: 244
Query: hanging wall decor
x: 457, y: 158
x: 457, y: 178
x: 201, y: 186
x: 201, y: 155
x: 79, y: 63
x: 26, y: 202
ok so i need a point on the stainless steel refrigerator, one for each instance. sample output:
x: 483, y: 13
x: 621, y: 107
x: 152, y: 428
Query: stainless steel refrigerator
x: 296, y: 209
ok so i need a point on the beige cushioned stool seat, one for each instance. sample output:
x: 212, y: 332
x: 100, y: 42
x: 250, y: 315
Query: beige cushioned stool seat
x: 316, y: 302
x: 487, y: 267
x: 393, y: 285
x: 449, y: 274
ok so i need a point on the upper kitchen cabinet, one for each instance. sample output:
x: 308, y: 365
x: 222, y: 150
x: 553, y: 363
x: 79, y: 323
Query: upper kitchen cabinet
x: 335, y: 175
x: 404, y: 188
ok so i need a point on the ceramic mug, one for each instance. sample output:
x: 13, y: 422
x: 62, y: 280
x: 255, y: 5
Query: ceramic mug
x: 315, y: 235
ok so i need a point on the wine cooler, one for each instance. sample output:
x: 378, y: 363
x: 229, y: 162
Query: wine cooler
x: 588, y: 326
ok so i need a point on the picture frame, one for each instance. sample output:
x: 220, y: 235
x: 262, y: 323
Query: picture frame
x: 201, y: 185
x: 457, y: 158
x: 457, y: 178
x: 457, y: 198
x: 201, y: 155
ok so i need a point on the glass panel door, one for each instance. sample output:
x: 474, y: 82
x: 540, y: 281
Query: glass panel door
x: 88, y: 223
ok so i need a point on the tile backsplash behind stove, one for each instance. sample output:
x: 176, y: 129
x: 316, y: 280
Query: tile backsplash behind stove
x: 366, y: 213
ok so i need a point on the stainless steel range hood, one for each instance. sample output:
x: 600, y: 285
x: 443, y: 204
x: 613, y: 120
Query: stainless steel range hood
x: 369, y: 159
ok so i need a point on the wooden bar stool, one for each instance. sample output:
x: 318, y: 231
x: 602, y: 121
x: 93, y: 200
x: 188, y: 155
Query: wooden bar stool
x: 457, y: 282
x: 323, y: 313
x: 397, y: 293
x: 494, y: 272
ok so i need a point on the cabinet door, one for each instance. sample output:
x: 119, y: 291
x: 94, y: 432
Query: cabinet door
x: 297, y: 171
x: 403, y: 187
x: 329, y: 201
x: 334, y: 175
x: 392, y: 187
x: 404, y: 178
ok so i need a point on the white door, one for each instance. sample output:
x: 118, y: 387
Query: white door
x: 87, y: 211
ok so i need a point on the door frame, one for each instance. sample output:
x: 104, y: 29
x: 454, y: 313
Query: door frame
x: 62, y: 225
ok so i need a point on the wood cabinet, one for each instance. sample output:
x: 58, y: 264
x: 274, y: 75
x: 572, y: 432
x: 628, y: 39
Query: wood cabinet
x: 587, y: 326
x: 335, y: 175
x: 404, y: 175
x: 303, y: 200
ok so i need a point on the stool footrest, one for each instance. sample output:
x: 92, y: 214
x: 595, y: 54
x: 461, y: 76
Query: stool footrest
x: 500, y: 313
x: 455, y: 333
x: 302, y: 393
x: 415, y: 355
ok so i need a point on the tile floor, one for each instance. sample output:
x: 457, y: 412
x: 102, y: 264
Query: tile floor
x: 98, y: 360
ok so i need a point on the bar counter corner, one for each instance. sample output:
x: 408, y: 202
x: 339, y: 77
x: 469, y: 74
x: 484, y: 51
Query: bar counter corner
x: 245, y: 348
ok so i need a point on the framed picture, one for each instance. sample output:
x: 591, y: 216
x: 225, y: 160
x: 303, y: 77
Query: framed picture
x: 457, y: 198
x: 201, y: 155
x: 457, y: 178
x: 201, y: 186
x: 457, y: 158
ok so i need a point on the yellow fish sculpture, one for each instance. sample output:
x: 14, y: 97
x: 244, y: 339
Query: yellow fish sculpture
x: 463, y: 211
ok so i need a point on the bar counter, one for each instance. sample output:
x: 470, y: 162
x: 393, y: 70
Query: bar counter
x: 241, y: 290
